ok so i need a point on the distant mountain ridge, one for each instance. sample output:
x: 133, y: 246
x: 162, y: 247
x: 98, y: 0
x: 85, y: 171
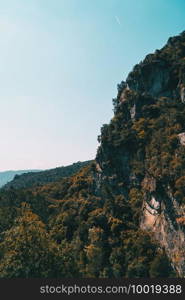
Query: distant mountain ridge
x: 6, y: 176
x: 38, y: 178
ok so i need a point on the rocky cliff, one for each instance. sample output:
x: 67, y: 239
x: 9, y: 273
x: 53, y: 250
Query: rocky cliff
x: 142, y: 150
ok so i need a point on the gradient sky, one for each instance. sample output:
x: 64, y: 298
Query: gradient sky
x: 60, y: 63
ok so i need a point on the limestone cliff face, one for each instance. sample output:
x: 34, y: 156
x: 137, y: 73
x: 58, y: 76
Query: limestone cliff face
x: 162, y: 215
x: 143, y: 147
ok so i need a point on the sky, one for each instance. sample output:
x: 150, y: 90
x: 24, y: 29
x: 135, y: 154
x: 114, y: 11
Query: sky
x: 60, y: 63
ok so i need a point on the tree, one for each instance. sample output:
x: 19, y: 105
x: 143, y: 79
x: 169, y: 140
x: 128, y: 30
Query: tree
x: 94, y: 252
x: 27, y: 250
x: 160, y: 267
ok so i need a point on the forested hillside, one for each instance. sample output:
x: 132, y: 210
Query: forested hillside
x: 33, y: 179
x: 6, y: 176
x: 122, y: 215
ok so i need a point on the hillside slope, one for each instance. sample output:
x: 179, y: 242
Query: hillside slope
x: 33, y: 179
x: 122, y: 215
x: 6, y: 176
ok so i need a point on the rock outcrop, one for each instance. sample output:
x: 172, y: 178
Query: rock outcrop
x: 143, y: 146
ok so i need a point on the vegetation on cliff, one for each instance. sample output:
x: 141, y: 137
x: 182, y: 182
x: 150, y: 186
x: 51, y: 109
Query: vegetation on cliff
x: 88, y: 224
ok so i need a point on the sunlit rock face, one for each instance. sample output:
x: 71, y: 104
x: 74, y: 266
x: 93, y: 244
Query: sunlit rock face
x: 182, y: 138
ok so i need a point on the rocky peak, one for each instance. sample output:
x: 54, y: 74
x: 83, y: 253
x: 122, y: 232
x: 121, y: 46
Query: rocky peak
x: 161, y: 73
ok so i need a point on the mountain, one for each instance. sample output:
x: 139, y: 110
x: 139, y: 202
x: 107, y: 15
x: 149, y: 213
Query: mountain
x: 122, y: 215
x: 142, y: 150
x: 33, y: 179
x: 7, y: 176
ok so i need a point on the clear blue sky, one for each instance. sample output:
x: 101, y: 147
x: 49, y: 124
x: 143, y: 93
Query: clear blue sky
x: 60, y: 62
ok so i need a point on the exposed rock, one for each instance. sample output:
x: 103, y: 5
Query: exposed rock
x: 182, y: 93
x: 171, y: 237
x: 182, y: 138
x: 154, y: 78
x: 133, y: 112
x: 124, y: 93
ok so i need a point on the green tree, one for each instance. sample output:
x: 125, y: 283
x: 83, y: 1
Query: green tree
x: 27, y: 250
x: 160, y: 267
